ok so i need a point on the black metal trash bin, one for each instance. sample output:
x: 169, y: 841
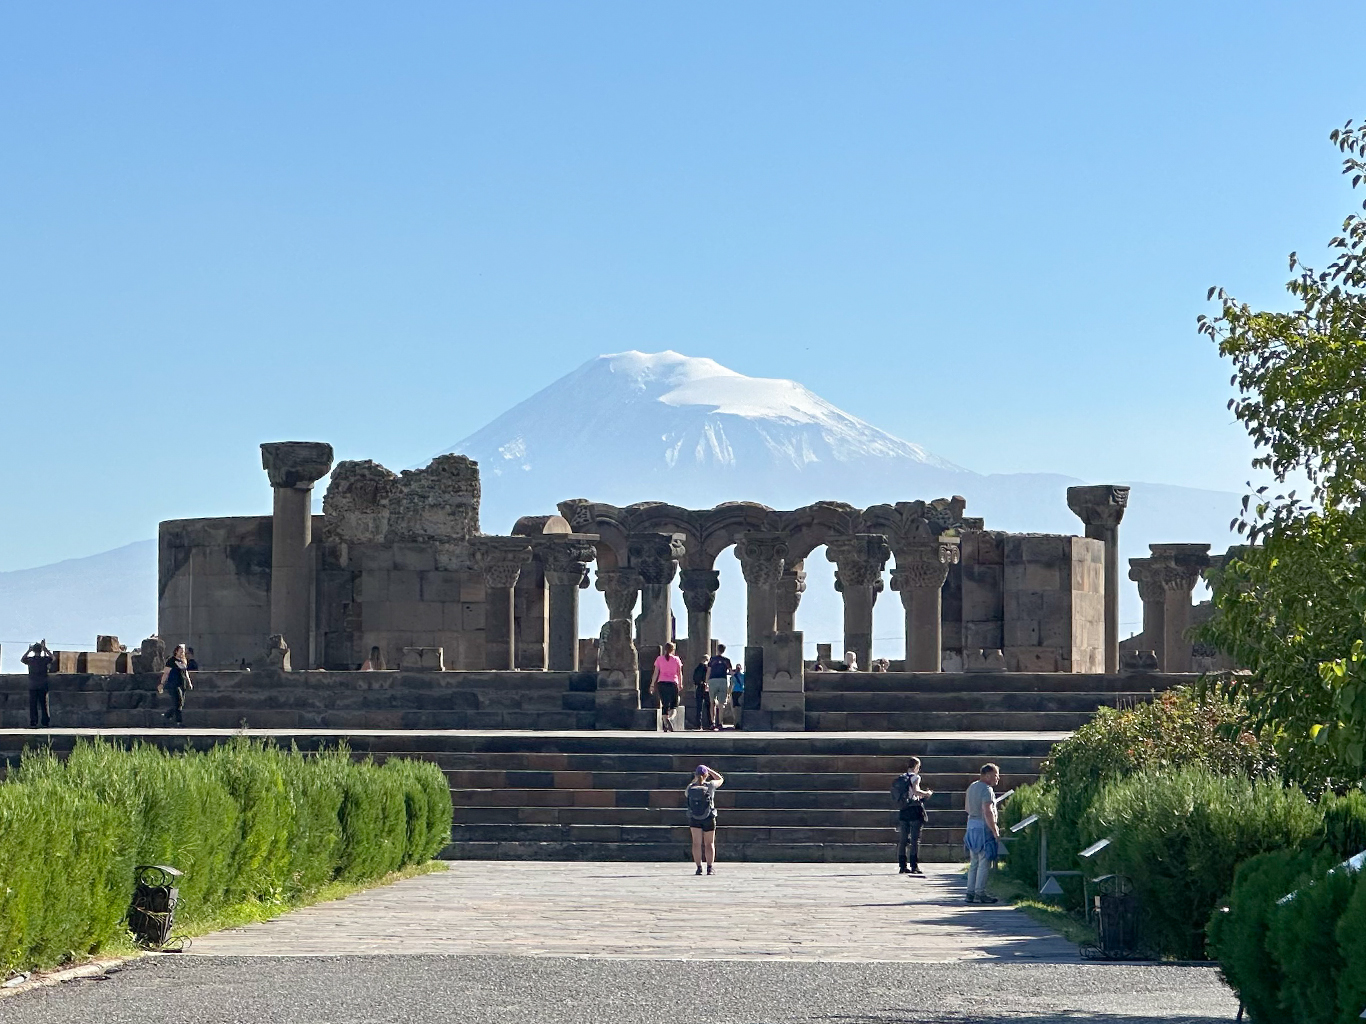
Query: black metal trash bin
x: 1115, y: 911
x: 152, y: 912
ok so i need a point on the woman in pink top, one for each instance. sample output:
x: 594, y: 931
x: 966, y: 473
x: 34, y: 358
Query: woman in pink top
x: 667, y: 676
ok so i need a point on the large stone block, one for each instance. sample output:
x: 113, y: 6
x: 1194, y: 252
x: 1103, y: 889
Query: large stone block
x: 373, y: 557
x: 983, y: 634
x: 405, y: 585
x: 440, y: 586
x: 372, y: 585
x: 422, y: 659
x: 415, y: 616
x: 472, y: 616
x: 415, y: 557
x: 984, y: 660
x: 472, y: 588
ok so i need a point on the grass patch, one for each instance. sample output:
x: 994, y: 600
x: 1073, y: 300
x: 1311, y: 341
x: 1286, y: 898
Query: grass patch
x: 122, y: 946
x: 1024, y: 897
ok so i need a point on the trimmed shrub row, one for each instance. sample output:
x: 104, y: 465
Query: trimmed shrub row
x: 1299, y: 957
x: 247, y: 822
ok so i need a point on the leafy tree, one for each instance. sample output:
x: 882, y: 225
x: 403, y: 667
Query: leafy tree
x: 1292, y: 605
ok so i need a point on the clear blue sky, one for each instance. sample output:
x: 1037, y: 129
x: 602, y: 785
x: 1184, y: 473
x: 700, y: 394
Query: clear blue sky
x: 987, y: 228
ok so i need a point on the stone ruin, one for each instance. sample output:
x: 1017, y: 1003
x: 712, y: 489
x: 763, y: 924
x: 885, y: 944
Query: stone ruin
x: 398, y: 562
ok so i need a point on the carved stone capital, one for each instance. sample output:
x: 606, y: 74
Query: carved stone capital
x: 1175, y: 568
x: 565, y: 560
x: 762, y: 557
x: 791, y: 587
x: 1099, y: 504
x: 924, y: 565
x: 656, y: 555
x: 620, y: 587
x: 859, y: 560
x: 500, y: 559
x: 296, y: 464
x: 699, y: 588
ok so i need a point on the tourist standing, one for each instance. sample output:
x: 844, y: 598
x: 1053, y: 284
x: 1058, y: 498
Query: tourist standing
x: 700, y: 797
x: 911, y: 817
x: 737, y: 692
x: 176, y: 678
x: 718, y: 683
x: 702, y: 695
x: 39, y: 661
x: 667, y: 677
x: 190, y: 663
x: 982, y: 837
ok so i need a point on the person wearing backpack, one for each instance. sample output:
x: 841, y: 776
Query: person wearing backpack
x: 700, y: 797
x: 909, y: 797
x: 719, y: 669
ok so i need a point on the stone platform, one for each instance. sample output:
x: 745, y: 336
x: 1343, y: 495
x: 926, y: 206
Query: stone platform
x: 834, y: 701
x: 600, y: 795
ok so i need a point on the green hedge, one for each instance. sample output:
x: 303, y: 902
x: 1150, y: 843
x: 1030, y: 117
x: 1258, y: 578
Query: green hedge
x: 1299, y: 957
x: 1179, y: 835
x: 1179, y: 728
x: 247, y: 822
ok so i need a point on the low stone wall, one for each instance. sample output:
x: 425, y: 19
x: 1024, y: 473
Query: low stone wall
x: 270, y: 699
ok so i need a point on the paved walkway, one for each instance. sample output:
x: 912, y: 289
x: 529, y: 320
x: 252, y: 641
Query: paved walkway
x: 556, y: 943
x: 826, y: 912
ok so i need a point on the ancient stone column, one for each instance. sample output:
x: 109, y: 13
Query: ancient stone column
x: 859, y: 560
x: 500, y: 560
x: 922, y: 565
x: 762, y: 557
x: 791, y: 587
x: 655, y: 556
x: 1144, y: 572
x: 1101, y: 507
x: 699, y: 588
x: 1180, y: 567
x: 566, y: 573
x: 619, y: 679
x: 293, y: 467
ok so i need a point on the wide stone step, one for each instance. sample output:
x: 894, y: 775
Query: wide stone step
x: 1081, y: 702
x: 869, y: 786
x: 680, y: 833
x: 1016, y: 682
x: 795, y: 800
x: 955, y: 721
x: 799, y: 853
x: 669, y: 763
x: 756, y: 817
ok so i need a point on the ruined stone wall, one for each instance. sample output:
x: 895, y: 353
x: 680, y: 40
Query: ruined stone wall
x: 213, y: 587
x: 395, y: 566
x: 1054, y: 610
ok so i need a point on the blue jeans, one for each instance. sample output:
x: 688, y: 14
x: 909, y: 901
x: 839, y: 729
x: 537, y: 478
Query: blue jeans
x: 979, y: 863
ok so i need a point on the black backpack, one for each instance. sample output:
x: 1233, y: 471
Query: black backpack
x: 701, y: 803
x: 901, y: 789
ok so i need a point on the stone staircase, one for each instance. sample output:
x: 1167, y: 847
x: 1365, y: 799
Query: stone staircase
x: 619, y: 796
x: 787, y: 797
x: 927, y: 701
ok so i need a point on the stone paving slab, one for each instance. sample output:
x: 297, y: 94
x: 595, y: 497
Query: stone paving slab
x: 765, y: 912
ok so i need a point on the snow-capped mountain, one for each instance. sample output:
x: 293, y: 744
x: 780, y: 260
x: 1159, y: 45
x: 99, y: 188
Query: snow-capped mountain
x: 671, y: 427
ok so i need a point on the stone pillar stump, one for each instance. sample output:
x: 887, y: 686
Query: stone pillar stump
x: 922, y: 566
x: 293, y: 468
x: 1101, y: 508
x: 859, y: 560
x: 500, y: 560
